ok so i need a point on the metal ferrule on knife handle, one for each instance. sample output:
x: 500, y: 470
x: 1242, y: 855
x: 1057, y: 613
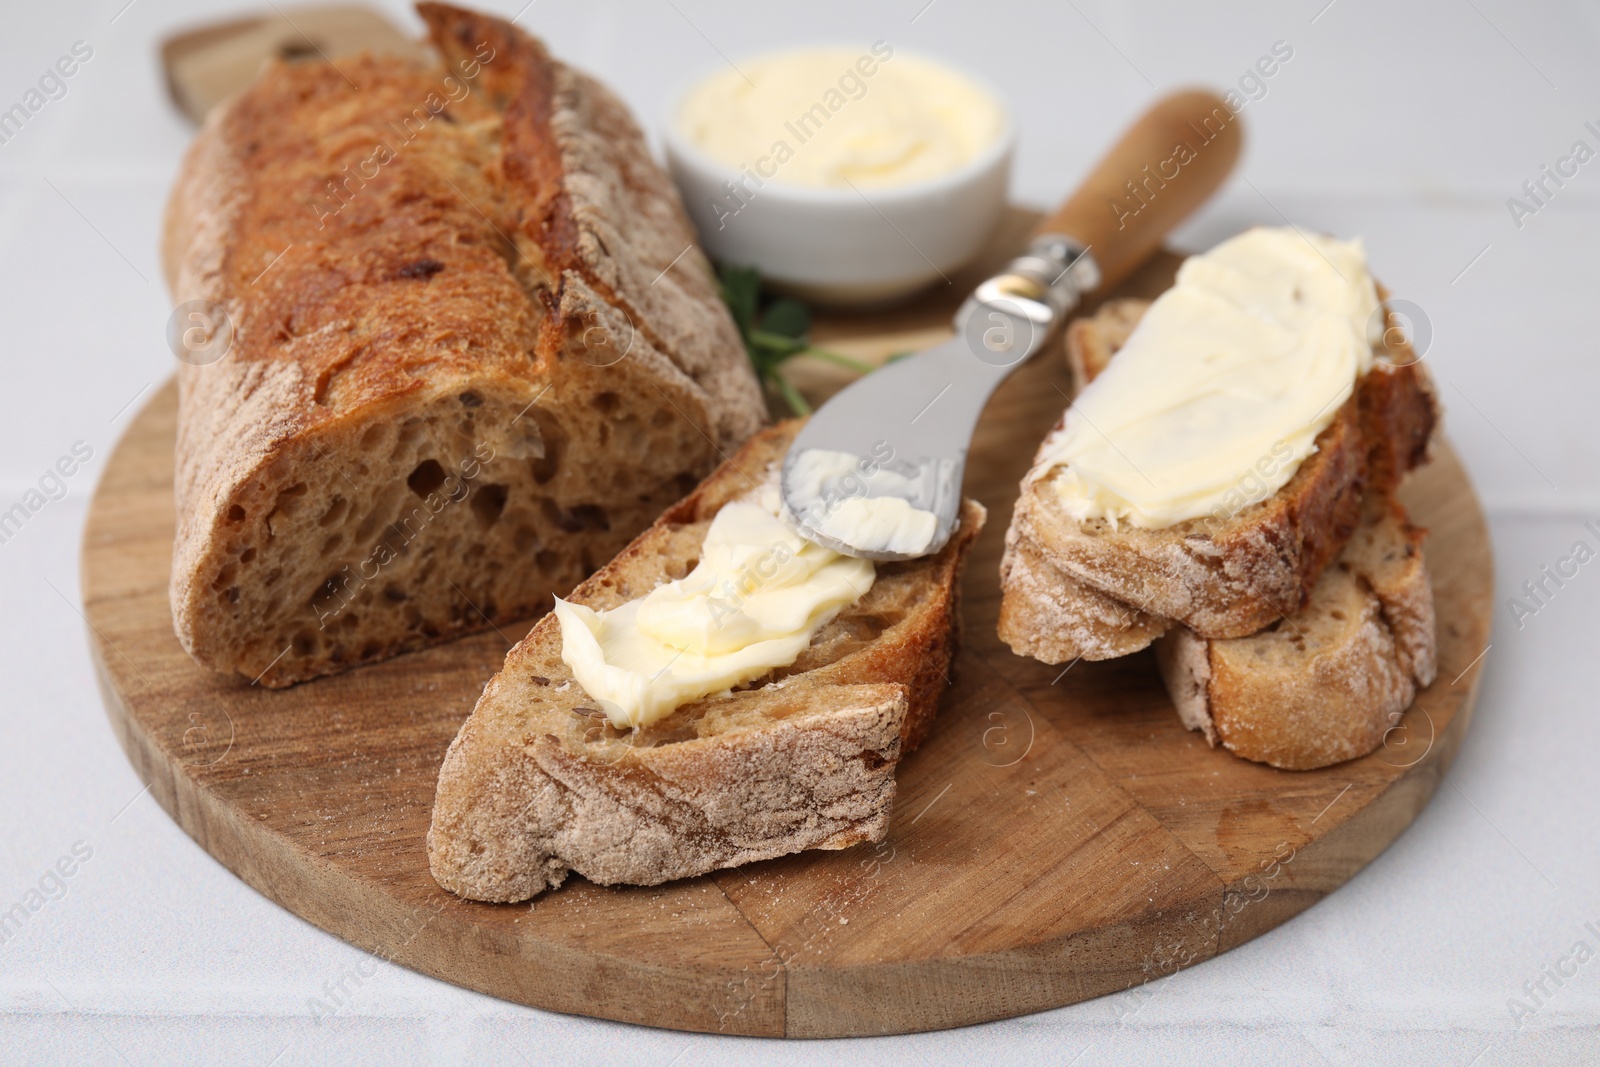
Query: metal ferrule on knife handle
x: 1045, y: 283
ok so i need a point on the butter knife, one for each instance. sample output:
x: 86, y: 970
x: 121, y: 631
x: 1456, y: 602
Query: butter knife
x: 876, y: 472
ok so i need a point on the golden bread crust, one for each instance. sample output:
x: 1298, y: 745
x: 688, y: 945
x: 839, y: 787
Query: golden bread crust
x: 426, y: 265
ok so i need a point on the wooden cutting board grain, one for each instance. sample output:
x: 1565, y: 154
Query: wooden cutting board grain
x: 1060, y: 835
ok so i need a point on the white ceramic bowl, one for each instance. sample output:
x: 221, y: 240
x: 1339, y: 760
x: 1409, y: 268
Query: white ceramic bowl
x: 841, y: 246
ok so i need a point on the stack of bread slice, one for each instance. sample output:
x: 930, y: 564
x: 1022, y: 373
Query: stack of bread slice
x: 1292, y: 630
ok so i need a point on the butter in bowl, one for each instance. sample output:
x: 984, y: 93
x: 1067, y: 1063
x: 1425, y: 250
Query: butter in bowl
x: 844, y: 175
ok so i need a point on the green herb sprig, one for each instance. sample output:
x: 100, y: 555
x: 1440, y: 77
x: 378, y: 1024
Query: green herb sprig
x: 775, y: 333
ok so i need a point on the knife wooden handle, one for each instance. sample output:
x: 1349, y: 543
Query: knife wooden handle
x: 1165, y: 166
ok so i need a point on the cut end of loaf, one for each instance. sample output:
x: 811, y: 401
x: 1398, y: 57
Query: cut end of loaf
x: 340, y: 498
x: 408, y: 528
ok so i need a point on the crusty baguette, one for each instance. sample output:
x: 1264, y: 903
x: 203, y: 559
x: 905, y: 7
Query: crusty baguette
x: 1327, y: 683
x: 538, y: 783
x: 475, y: 351
x: 1222, y: 576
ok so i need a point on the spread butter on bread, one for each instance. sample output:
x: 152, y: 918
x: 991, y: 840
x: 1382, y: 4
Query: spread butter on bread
x: 540, y: 782
x: 1227, y: 574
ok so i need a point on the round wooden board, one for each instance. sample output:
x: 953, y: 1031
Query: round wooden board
x: 1060, y: 835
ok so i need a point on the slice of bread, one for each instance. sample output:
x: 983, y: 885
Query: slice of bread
x: 538, y: 783
x: 1325, y: 684
x: 475, y: 350
x: 1220, y: 575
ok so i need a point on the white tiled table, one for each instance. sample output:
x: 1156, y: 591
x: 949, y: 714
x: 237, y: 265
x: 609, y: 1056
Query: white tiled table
x: 1410, y: 127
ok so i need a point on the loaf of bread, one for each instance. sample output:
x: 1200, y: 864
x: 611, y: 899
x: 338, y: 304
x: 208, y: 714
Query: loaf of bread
x: 1087, y: 590
x: 538, y: 783
x: 475, y: 350
x: 1327, y: 683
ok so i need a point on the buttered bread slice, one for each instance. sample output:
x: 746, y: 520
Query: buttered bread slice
x: 1091, y: 574
x: 541, y: 781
